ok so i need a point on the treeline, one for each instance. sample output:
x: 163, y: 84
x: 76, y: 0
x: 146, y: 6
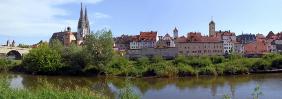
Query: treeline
x: 97, y: 57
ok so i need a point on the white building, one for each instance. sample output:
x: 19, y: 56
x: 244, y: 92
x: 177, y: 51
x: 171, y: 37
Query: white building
x: 229, y: 40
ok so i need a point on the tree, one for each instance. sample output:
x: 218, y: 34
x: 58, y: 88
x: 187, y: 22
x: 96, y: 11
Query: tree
x: 98, y: 50
x: 72, y: 58
x: 57, y: 45
x: 42, y: 60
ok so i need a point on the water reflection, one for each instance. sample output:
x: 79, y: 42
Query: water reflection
x: 205, y: 87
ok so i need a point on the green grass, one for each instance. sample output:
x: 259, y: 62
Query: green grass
x: 46, y: 91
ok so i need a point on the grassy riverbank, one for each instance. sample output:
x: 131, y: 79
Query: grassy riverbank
x: 46, y: 91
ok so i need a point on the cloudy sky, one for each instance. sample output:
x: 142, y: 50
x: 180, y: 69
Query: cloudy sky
x: 29, y: 21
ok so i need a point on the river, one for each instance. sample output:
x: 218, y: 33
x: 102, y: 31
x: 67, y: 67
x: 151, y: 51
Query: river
x: 203, y: 87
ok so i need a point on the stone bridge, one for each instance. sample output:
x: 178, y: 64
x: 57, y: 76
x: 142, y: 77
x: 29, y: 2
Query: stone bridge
x: 13, y: 52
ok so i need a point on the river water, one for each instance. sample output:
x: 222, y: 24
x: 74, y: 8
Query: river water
x: 203, y: 87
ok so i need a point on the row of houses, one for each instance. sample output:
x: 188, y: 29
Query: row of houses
x: 195, y: 44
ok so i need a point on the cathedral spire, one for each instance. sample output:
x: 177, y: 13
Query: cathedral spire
x: 86, y: 17
x: 86, y: 21
x: 81, y: 17
x: 81, y: 11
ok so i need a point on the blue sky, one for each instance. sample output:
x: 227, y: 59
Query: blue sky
x: 29, y: 21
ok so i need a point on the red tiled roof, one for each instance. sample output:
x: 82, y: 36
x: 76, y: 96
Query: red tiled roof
x: 197, y: 37
x: 148, y: 36
x: 257, y: 47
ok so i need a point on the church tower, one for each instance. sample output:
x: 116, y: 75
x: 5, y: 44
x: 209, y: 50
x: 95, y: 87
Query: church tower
x: 83, y: 27
x: 175, y: 33
x: 211, y: 28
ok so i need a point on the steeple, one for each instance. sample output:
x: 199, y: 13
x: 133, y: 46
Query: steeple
x: 211, y: 27
x: 175, y: 33
x: 81, y: 11
x: 86, y: 21
x: 83, y: 27
x: 81, y: 18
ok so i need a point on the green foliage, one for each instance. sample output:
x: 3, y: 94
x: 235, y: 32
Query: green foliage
x: 234, y: 56
x: 180, y: 59
x: 217, y: 59
x: 164, y: 69
x: 199, y: 62
x: 261, y: 64
x: 73, y: 59
x: 98, y: 50
x: 42, y: 60
x: 57, y: 45
x: 119, y: 66
x: 47, y: 91
x: 141, y: 66
x: 233, y: 67
x: 185, y: 70
x: 277, y: 63
x: 157, y: 59
x: 5, y: 64
x: 208, y: 70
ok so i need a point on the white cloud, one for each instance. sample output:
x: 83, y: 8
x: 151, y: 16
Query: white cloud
x: 35, y: 18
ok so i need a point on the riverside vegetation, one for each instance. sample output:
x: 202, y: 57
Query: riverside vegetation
x: 96, y: 57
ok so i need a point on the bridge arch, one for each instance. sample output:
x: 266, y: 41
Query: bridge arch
x: 14, y: 54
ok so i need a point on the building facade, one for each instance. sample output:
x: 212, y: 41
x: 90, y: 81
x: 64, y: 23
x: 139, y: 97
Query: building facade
x: 144, y: 40
x: 165, y: 42
x: 197, y: 45
x: 229, y: 40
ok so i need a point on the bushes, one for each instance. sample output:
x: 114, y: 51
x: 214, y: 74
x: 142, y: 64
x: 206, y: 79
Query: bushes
x: 43, y: 60
x: 239, y: 66
x: 217, y: 59
x: 119, y: 66
x: 277, y: 63
x: 261, y: 64
x: 208, y: 70
x: 185, y: 70
x: 199, y: 62
x: 164, y: 69
x: 5, y: 64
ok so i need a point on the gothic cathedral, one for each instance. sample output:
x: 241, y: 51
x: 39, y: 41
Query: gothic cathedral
x: 83, y: 27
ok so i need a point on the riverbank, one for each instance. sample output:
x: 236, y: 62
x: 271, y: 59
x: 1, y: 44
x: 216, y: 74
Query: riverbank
x: 181, y: 66
x: 46, y: 91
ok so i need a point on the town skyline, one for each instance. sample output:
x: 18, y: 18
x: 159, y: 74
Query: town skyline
x: 152, y: 16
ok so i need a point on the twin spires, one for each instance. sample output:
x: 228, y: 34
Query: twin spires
x: 83, y: 19
x: 83, y: 27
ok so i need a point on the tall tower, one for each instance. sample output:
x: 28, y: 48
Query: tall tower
x: 87, y: 26
x: 83, y: 27
x: 175, y: 33
x: 211, y: 28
